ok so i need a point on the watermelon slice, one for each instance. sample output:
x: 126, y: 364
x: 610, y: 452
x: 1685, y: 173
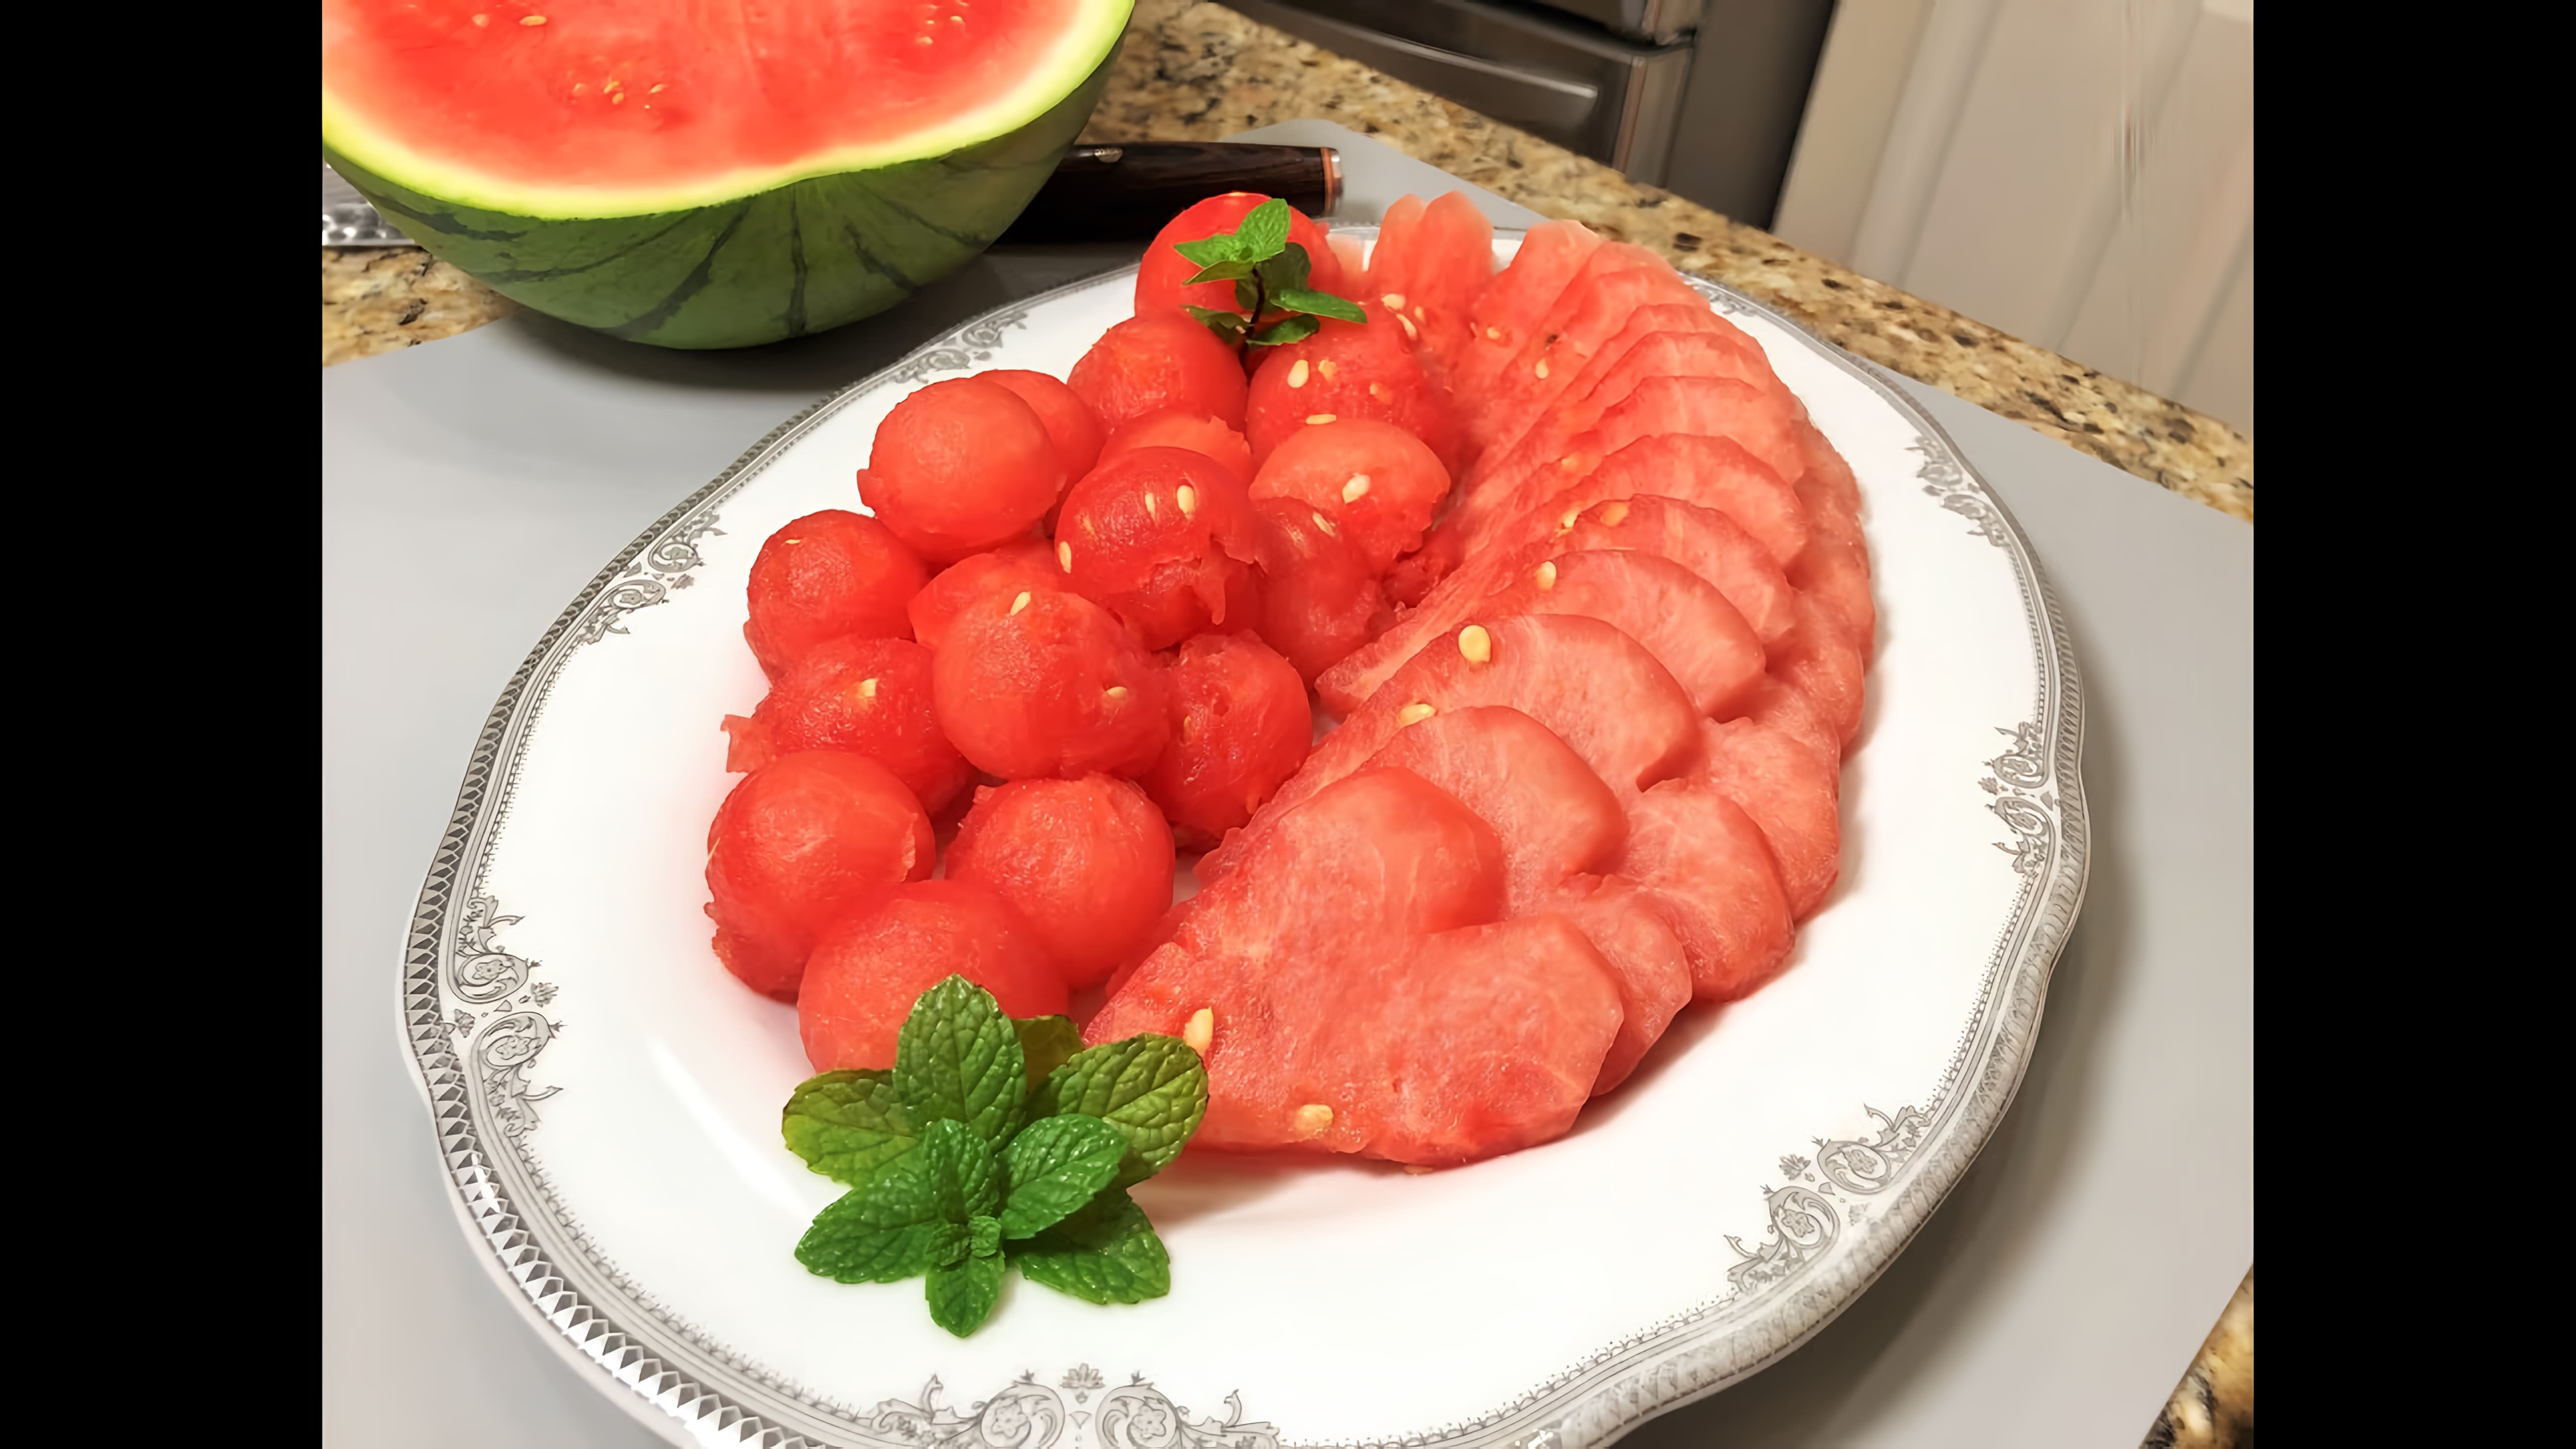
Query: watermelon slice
x: 1710, y: 872
x: 1836, y: 568
x: 1616, y: 281
x: 1692, y: 352
x: 1680, y: 617
x: 1701, y: 540
x: 1554, y: 817
x: 1790, y: 793
x: 1703, y: 406
x: 1432, y: 273
x: 1825, y: 665
x: 696, y: 178
x: 1645, y: 957
x: 1559, y: 826
x: 1469, y: 1043
x: 1510, y: 307
x: 1597, y: 688
x: 1340, y: 1016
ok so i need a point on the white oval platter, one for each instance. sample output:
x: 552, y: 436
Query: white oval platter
x: 606, y: 1097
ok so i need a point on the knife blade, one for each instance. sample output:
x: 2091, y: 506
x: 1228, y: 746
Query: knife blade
x: 1098, y: 193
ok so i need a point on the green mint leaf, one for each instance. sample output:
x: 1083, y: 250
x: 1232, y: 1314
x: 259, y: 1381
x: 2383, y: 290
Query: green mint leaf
x: 983, y: 1237
x: 965, y: 1174
x: 1318, y: 304
x: 1246, y: 295
x: 1106, y: 1253
x: 1284, y: 331
x: 958, y: 1059
x: 1262, y: 232
x: 1045, y: 1041
x: 1287, y: 271
x: 848, y: 1125
x: 1224, y: 271
x: 1152, y: 1088
x: 891, y: 1229
x: 962, y: 1294
x: 1228, y: 325
x: 1056, y: 1165
x: 1210, y: 251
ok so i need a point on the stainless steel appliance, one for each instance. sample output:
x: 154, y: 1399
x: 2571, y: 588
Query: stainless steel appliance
x: 1700, y: 96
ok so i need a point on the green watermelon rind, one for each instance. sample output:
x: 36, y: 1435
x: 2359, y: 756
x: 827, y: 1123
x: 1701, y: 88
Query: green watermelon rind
x: 801, y: 258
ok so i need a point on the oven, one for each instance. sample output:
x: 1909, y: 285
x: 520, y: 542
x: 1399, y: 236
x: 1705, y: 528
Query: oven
x: 1702, y: 97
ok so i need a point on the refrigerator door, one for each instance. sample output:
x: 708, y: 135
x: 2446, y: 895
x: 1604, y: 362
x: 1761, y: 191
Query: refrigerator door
x: 1613, y: 99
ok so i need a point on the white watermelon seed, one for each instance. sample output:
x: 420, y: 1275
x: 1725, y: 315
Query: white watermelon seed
x: 1312, y: 1119
x: 1064, y: 554
x: 1413, y: 714
x: 1297, y: 373
x: 1189, y: 500
x: 1201, y: 1030
x: 1021, y: 602
x: 1476, y: 644
x: 1356, y: 489
x: 1547, y: 574
x: 1320, y: 418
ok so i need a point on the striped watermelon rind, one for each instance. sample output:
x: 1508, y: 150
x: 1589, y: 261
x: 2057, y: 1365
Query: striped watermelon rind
x: 779, y: 262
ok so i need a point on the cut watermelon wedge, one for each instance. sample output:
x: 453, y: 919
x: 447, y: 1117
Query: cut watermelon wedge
x: 1711, y: 874
x: 1431, y: 271
x: 698, y: 177
x: 1509, y: 309
x: 1793, y: 795
x: 1646, y: 958
x: 1706, y: 542
x: 1359, y: 995
x: 1601, y: 692
x: 1555, y: 818
x: 1700, y: 406
x: 1617, y: 279
x: 1680, y: 617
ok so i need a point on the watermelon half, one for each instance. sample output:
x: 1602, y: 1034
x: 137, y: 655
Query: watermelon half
x: 696, y: 177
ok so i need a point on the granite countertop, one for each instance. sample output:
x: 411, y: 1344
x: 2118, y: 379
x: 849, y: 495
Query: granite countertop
x: 1202, y: 72
x: 1196, y: 72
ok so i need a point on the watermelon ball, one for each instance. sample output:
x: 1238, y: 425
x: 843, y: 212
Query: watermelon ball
x: 800, y: 841
x: 1157, y: 361
x: 867, y: 697
x: 1181, y: 428
x: 1164, y: 539
x: 1319, y: 597
x: 1087, y: 862
x: 1240, y: 725
x: 1162, y: 279
x: 1027, y: 564
x: 1069, y: 423
x: 1043, y: 684
x: 870, y: 968
x: 1374, y: 479
x: 823, y: 576
x: 1349, y: 370
x: 961, y: 466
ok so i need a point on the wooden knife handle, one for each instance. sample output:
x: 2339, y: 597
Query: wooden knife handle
x: 1127, y: 193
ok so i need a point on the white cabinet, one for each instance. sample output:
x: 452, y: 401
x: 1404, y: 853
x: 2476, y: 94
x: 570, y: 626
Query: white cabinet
x: 2079, y: 173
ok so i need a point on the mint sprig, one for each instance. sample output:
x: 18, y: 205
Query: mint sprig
x: 1269, y: 273
x: 996, y: 1141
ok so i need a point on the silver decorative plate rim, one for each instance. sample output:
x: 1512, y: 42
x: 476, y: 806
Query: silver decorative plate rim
x: 680, y: 1382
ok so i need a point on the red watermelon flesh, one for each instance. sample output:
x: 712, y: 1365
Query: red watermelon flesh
x: 1661, y: 354
x: 1680, y: 617
x: 1711, y: 874
x: 1644, y: 955
x: 1836, y: 567
x: 1793, y: 797
x: 1553, y: 815
x: 1470, y: 1043
x: 1439, y: 269
x: 1704, y: 406
x: 1348, y: 370
x: 1702, y: 540
x: 1822, y: 661
x: 1598, y: 689
x: 1617, y: 279
x: 1644, y: 321
x: 1390, y: 267
x: 1514, y: 301
x: 1710, y: 472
